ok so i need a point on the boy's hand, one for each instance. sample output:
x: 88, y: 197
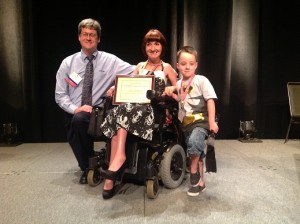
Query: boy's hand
x: 169, y: 90
x: 214, y: 127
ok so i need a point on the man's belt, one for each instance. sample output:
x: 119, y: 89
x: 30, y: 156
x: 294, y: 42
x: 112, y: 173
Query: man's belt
x: 189, y: 119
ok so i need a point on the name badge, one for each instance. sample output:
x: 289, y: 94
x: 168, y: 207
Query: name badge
x: 74, y: 79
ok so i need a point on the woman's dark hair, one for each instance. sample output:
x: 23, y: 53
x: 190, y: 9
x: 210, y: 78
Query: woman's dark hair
x: 154, y: 35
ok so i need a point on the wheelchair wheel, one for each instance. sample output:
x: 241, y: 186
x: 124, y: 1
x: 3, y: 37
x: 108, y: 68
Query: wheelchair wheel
x: 152, y: 188
x: 93, y: 177
x: 173, y: 167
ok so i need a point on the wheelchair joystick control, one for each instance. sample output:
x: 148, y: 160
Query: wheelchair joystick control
x: 151, y: 94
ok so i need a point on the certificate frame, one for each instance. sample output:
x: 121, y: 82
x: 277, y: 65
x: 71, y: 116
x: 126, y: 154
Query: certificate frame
x: 132, y: 89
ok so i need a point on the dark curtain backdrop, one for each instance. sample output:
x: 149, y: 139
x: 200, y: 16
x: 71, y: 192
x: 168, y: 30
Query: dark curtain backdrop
x: 247, y: 48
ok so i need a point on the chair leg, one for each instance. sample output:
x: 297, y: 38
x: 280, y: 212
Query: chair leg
x: 288, y: 131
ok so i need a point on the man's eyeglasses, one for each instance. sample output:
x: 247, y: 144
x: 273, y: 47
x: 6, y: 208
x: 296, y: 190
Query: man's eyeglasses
x: 91, y: 35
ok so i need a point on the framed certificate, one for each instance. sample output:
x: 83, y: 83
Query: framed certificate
x: 132, y: 89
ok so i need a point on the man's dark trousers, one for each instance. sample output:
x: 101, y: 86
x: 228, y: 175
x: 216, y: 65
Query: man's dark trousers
x: 80, y: 141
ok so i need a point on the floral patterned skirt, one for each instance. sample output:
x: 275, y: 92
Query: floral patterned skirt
x: 137, y: 119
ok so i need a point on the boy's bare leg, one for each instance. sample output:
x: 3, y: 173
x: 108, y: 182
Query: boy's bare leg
x: 201, y: 170
x: 194, y: 171
x: 194, y: 163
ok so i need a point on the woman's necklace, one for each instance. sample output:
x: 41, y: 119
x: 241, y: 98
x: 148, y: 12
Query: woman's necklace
x: 154, y: 64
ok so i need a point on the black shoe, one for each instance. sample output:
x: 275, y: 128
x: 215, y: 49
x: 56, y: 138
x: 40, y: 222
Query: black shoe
x: 83, y: 178
x: 107, y: 194
x: 108, y: 174
x: 112, y: 175
x: 194, y: 179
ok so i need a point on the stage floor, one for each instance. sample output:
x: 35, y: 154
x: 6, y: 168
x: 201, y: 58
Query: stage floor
x: 255, y: 183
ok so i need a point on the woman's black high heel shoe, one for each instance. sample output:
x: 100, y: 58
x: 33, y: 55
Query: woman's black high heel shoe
x: 107, y: 194
x: 108, y: 174
x: 111, y: 175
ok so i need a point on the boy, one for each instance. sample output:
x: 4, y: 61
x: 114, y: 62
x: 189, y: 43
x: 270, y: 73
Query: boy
x: 196, y: 98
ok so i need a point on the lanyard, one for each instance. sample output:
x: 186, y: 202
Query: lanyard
x: 183, y: 93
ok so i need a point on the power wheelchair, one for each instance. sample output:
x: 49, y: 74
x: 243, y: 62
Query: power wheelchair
x: 159, y: 162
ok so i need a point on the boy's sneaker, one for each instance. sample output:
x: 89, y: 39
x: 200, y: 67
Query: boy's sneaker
x: 195, y: 191
x: 194, y: 179
x: 202, y: 188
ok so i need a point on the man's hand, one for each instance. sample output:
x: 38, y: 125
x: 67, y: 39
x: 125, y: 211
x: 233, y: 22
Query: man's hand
x: 86, y: 108
x: 111, y: 91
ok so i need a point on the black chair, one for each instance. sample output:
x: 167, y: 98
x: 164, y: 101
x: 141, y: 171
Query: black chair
x: 294, y: 103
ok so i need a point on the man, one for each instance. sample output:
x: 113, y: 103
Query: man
x: 89, y: 67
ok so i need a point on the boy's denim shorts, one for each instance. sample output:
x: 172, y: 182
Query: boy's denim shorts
x: 195, y: 142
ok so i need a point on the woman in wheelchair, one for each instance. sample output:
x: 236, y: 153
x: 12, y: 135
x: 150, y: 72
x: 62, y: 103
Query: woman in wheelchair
x: 137, y: 119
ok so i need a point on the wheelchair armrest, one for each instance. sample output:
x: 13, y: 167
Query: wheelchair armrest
x: 153, y: 95
x: 162, y: 101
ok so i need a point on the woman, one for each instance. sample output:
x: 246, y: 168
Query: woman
x: 138, y: 119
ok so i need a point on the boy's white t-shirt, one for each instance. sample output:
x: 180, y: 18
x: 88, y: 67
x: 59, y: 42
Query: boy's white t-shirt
x: 200, y: 91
